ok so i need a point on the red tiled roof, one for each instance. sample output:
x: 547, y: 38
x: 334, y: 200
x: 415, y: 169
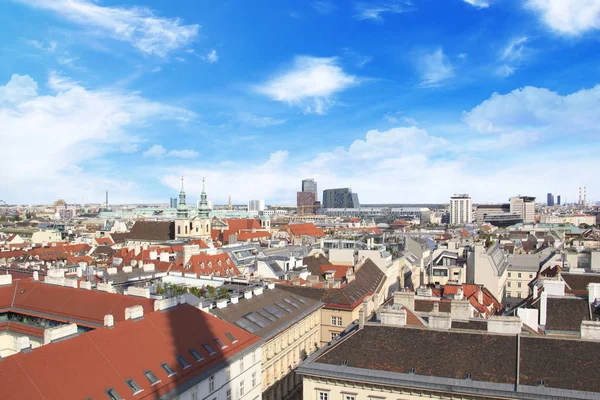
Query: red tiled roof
x: 306, y: 229
x: 200, y: 243
x: 236, y: 225
x: 76, y: 248
x: 87, y: 365
x: 105, y: 241
x: 205, y: 264
x: 88, y: 306
x: 339, y: 271
x: 11, y: 254
x: 24, y: 329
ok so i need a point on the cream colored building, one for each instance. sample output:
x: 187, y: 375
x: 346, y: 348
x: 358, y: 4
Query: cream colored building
x: 289, y: 326
x: 524, y: 206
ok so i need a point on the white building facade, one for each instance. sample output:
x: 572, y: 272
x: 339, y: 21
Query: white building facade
x: 461, y: 209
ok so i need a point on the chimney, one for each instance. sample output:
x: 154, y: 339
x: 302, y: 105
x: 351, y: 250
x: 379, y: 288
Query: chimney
x: 23, y: 344
x: 5, y: 280
x: 593, y: 292
x: 439, y: 320
x: 406, y: 299
x: 509, y: 325
x: 590, y: 330
x: 79, y: 272
x: 460, y: 310
x: 391, y: 316
x: 36, y: 276
x: 134, y: 312
x: 137, y: 249
x: 109, y: 320
x: 164, y: 257
x: 361, y: 318
x: 480, y: 294
x: 59, y: 332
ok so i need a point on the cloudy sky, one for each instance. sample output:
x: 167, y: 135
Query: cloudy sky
x: 403, y: 101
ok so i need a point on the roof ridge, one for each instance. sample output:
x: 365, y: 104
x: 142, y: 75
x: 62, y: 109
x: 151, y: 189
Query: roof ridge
x: 14, y: 294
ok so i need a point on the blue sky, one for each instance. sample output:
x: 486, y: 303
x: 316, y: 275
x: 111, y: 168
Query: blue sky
x: 403, y: 101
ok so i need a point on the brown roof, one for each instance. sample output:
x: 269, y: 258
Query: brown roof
x: 367, y: 279
x: 313, y: 263
x: 86, y: 307
x: 87, y: 365
x: 566, y: 314
x: 234, y: 312
x: 488, y: 358
x: 422, y: 305
x: 560, y: 363
x: 579, y: 282
x: 152, y: 230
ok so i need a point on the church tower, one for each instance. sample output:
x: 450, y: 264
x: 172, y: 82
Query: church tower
x: 202, y: 224
x: 182, y: 225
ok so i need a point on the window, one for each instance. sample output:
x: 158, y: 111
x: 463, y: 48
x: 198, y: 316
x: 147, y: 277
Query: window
x: 530, y: 276
x: 254, y: 379
x: 334, y: 335
x: 195, y: 394
x: 228, y: 374
x: 179, y: 230
x: 168, y: 369
x: 220, y: 343
x: 323, y: 395
x: 112, y: 394
x: 519, y: 284
x: 242, y: 364
x: 184, y: 364
x: 133, y: 386
x: 209, y: 349
x: 507, y: 294
x: 229, y: 394
x: 508, y: 284
x: 196, y: 355
x: 519, y: 274
x: 336, y: 321
x: 519, y: 294
x: 231, y: 337
x: 211, y: 384
x: 509, y: 274
x: 349, y: 397
x: 241, y: 388
x: 253, y: 357
x: 151, y: 377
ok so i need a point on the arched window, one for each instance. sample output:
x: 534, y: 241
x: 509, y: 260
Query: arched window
x: 196, y: 228
x: 207, y: 230
x: 186, y: 231
x: 179, y: 230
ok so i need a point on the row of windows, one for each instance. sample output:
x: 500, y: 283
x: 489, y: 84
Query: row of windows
x: 519, y: 275
x: 290, y: 337
x: 324, y: 395
x: 289, y: 361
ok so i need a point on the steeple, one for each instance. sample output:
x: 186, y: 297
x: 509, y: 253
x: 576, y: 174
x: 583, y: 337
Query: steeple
x: 203, y: 209
x: 182, y: 211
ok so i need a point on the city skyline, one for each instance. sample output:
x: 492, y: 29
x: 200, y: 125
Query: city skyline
x: 391, y: 100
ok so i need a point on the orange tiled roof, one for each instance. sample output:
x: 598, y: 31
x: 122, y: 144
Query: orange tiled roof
x: 87, y: 365
x: 306, y: 229
x: 62, y: 303
x: 206, y: 264
x: 105, y: 241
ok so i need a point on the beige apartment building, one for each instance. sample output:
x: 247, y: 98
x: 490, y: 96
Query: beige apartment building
x: 289, y: 326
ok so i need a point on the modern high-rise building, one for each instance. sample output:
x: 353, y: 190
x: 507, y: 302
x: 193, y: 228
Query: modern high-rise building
x: 309, y: 185
x: 256, y: 205
x: 340, y: 198
x: 550, y: 200
x: 523, y: 206
x: 173, y: 202
x: 461, y: 209
x: 306, y: 199
x: 558, y: 200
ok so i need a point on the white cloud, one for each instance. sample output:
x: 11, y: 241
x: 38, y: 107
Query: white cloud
x: 478, y: 3
x: 434, y: 68
x: 49, y: 139
x: 212, y: 57
x: 538, y: 110
x: 139, y: 26
x: 323, y: 7
x: 50, y: 47
x: 158, y: 151
x: 505, y: 70
x: 259, y: 122
x: 373, y: 11
x: 568, y: 17
x: 20, y: 88
x: 66, y: 60
x: 156, y: 69
x: 515, y: 49
x: 310, y: 83
x: 397, y: 118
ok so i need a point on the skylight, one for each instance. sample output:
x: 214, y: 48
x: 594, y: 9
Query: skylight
x: 231, y: 337
x: 112, y: 394
x: 151, y: 377
x: 196, y: 355
x: 209, y: 349
x: 168, y: 369
x: 184, y: 364
x: 133, y: 386
x: 220, y: 343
